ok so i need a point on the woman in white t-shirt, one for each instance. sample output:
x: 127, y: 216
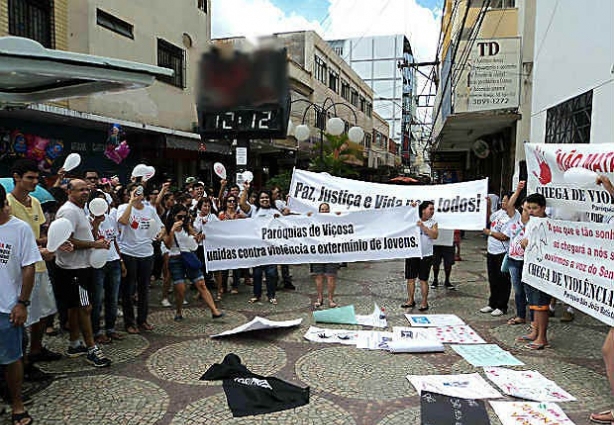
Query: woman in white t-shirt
x: 421, y: 267
x: 515, y: 231
x: 499, y: 282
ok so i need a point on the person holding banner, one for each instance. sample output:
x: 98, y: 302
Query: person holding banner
x: 328, y: 270
x: 178, y: 228
x: 231, y: 211
x: 608, y: 345
x: 498, y: 281
x: 539, y: 302
x: 262, y: 208
x: 421, y: 267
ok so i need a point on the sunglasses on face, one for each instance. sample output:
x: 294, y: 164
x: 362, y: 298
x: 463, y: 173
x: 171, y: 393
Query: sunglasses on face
x: 181, y: 217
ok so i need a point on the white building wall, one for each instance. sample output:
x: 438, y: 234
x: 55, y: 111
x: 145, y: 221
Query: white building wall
x: 574, y: 53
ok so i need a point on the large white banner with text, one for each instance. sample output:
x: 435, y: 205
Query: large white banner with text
x: 457, y: 205
x: 547, y: 165
x: 320, y: 238
x: 573, y: 262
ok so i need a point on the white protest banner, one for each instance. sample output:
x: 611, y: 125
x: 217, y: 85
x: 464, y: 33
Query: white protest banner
x: 547, y: 165
x: 573, y: 262
x: 457, y: 205
x: 320, y: 238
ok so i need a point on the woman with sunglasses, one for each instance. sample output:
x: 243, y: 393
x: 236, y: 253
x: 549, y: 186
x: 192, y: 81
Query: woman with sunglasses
x: 231, y: 211
x: 176, y: 235
x: 205, y: 215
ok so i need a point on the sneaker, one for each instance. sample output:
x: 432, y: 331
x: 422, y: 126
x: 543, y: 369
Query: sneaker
x: 567, y: 316
x: 165, y: 302
x: 487, y: 309
x: 185, y: 302
x: 435, y: 284
x: 178, y: 318
x: 120, y: 312
x: 497, y: 312
x: 73, y: 352
x: 96, y: 357
x: 449, y: 286
x: 45, y: 355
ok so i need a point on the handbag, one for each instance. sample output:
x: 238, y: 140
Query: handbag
x: 505, y: 264
x: 190, y: 259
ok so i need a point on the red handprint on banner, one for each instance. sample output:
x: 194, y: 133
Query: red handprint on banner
x: 545, y: 174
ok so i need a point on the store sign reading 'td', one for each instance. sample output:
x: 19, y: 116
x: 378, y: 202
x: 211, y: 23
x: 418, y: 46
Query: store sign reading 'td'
x: 491, y: 77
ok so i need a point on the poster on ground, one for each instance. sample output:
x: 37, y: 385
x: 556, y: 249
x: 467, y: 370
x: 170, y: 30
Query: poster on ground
x: 461, y: 334
x: 573, y: 262
x: 439, y: 409
x: 321, y: 238
x: 457, y: 205
x: 529, y: 413
x: 468, y: 385
x: 527, y: 384
x: 481, y: 355
x: 259, y: 323
x: 434, y: 320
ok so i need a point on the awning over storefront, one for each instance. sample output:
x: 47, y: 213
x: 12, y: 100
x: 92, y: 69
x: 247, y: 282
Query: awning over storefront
x: 195, y: 144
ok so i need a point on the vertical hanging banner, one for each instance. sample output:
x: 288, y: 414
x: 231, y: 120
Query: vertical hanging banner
x: 573, y: 262
x: 565, y: 174
x: 457, y: 205
x: 320, y: 238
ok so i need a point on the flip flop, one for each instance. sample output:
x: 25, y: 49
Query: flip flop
x: 516, y: 321
x: 18, y: 418
x: 602, y: 421
x: 318, y: 303
x: 524, y: 338
x: 534, y: 346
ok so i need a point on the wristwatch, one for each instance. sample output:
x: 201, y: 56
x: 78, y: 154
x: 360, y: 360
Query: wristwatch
x: 24, y: 302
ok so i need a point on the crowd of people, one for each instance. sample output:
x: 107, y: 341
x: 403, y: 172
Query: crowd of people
x: 151, y: 232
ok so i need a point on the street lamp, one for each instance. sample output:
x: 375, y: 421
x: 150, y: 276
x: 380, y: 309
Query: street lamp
x: 334, y: 126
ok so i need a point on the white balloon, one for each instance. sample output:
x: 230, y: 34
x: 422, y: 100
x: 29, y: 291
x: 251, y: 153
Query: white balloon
x: 98, y: 206
x: 301, y: 132
x: 140, y: 170
x: 248, y: 176
x: 72, y: 161
x: 59, y: 231
x: 580, y: 177
x: 335, y: 126
x: 149, y: 172
x: 220, y: 170
x: 154, y: 228
x: 98, y: 258
x: 355, y: 134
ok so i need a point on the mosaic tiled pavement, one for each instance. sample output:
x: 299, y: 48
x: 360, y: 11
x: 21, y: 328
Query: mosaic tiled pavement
x: 155, y: 376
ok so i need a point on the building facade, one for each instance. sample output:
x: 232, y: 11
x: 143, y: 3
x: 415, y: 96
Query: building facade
x: 381, y: 61
x: 481, y: 94
x: 160, y: 121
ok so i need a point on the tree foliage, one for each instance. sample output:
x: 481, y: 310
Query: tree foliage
x: 336, y: 156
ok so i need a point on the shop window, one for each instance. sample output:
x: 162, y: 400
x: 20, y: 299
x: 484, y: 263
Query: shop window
x: 114, y: 24
x: 173, y: 57
x: 570, y: 121
x: 32, y: 19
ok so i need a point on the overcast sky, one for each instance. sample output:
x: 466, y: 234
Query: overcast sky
x: 417, y: 19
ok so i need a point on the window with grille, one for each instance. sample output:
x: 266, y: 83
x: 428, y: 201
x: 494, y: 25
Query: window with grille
x: 363, y: 104
x: 32, y: 19
x: 367, y: 141
x: 502, y: 4
x: 570, y: 121
x: 320, y: 69
x: 345, y: 90
x: 202, y: 5
x: 173, y: 57
x: 114, y: 24
x: 333, y: 81
x: 369, y: 109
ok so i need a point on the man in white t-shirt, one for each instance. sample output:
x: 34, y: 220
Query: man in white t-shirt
x: 18, y: 255
x: 135, y: 243
x: 74, y: 274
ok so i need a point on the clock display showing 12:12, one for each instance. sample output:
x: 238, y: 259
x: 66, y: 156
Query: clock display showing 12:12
x: 246, y: 120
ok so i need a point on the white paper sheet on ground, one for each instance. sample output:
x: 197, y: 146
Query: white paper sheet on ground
x: 259, y: 323
x: 527, y: 384
x: 414, y: 340
x: 462, y: 334
x: 332, y: 336
x: 470, y: 385
x: 480, y: 355
x: 529, y: 413
x: 428, y: 320
x: 374, y: 319
x: 374, y: 340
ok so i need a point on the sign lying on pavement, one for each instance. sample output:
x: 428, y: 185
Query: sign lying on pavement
x: 259, y: 323
x: 527, y: 384
x: 320, y: 238
x: 457, y: 205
